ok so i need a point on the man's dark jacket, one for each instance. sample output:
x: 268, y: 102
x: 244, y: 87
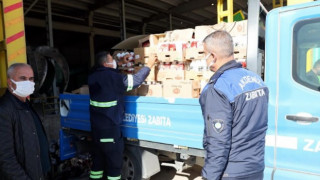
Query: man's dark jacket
x: 19, y: 144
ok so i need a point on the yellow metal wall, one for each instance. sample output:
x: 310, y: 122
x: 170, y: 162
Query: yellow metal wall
x: 293, y: 2
x: 12, y: 36
x: 3, y: 63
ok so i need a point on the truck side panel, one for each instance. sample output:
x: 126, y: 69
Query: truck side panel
x: 170, y: 121
x: 156, y: 119
x: 294, y: 101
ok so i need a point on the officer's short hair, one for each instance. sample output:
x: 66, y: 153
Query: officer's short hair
x: 220, y: 42
x: 12, y: 68
x: 101, y: 58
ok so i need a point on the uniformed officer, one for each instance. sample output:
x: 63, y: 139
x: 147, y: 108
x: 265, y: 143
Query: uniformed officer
x: 234, y: 105
x: 107, y: 87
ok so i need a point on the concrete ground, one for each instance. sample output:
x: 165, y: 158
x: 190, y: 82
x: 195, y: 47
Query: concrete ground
x: 169, y: 173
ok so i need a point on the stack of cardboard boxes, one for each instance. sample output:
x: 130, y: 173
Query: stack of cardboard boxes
x: 182, y: 71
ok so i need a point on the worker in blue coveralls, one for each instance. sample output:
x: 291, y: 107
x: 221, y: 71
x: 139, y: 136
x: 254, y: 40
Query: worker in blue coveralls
x: 107, y: 87
x: 234, y: 105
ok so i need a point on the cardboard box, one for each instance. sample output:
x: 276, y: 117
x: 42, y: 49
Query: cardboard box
x: 152, y: 74
x: 143, y: 54
x: 170, y: 74
x: 170, y: 56
x: 240, y: 53
x: 200, y: 32
x: 173, y: 51
x: 168, y: 35
x: 163, y: 47
x: 151, y: 40
x: 182, y: 34
x: 198, y: 75
x: 154, y: 90
x: 194, y: 53
x: 193, y: 75
x: 237, y: 28
x: 181, y: 89
x: 164, y: 56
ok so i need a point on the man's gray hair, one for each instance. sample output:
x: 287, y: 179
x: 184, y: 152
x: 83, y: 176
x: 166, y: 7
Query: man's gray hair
x: 219, y: 42
x: 11, y: 70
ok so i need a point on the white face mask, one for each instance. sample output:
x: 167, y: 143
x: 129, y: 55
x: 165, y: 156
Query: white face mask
x: 23, y: 88
x: 114, y: 64
x: 211, y: 64
x: 205, y: 59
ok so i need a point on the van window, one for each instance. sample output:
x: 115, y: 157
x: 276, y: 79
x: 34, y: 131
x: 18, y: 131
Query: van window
x: 306, y: 53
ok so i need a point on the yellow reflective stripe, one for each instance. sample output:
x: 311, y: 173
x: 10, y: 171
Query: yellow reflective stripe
x: 114, y: 178
x: 95, y: 176
x: 130, y: 82
x: 96, y: 172
x: 107, y: 140
x: 103, y: 104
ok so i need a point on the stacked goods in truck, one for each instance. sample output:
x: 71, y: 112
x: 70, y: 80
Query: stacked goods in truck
x: 150, y: 89
x: 152, y: 75
x: 152, y: 40
x: 172, y: 51
x: 170, y: 70
x: 238, y: 28
x: 181, y: 89
x: 147, y: 46
x: 126, y: 66
x: 126, y: 62
x: 174, y: 46
x: 197, y: 70
x: 194, y: 50
x: 182, y: 71
x: 142, y: 54
x: 238, y: 31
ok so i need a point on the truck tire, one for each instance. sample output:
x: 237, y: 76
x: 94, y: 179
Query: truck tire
x: 131, y: 168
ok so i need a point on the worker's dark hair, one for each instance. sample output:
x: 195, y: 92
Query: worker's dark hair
x: 101, y: 58
x: 317, y: 64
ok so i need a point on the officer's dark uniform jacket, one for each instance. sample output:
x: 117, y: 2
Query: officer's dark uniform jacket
x: 19, y: 144
x: 234, y: 105
x: 107, y: 87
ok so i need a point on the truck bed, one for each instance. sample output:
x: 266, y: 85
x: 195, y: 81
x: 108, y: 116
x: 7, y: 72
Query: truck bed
x: 175, y: 121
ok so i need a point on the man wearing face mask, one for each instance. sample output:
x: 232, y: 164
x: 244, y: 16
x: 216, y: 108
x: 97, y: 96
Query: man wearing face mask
x: 107, y: 87
x: 23, y: 142
x: 313, y: 74
x: 234, y: 105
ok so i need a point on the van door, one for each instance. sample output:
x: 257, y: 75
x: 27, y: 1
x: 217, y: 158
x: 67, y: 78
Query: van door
x: 294, y: 111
